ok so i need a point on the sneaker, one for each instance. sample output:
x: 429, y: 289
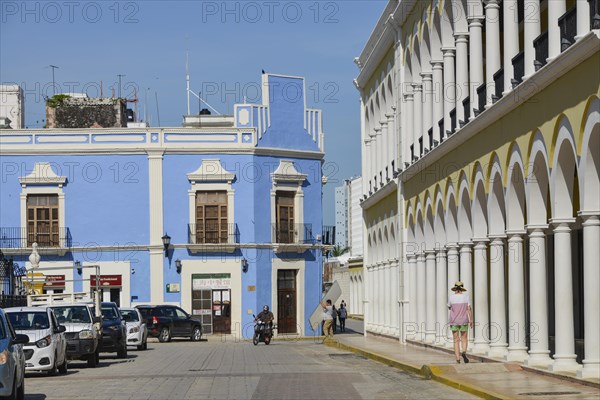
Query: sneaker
x: 464, y: 356
x: 458, y: 361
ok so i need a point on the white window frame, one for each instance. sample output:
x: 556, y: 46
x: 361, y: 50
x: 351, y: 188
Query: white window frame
x: 286, y: 178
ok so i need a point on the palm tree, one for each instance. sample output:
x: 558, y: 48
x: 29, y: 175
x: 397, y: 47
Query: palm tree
x: 339, y: 250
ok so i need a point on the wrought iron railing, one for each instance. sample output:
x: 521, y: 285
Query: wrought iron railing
x: 292, y: 233
x: 213, y: 233
x: 481, y: 99
x: 518, y: 63
x: 568, y: 28
x: 430, y: 136
x: 498, y: 85
x: 594, y: 14
x: 540, y: 44
x: 441, y: 125
x: 452, y: 121
x: 421, y: 147
x: 466, y: 103
x: 11, y: 283
x: 18, y: 238
x: 328, y: 236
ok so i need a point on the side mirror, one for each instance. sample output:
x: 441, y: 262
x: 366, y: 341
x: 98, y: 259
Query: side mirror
x: 97, y: 320
x: 60, y: 329
x: 21, y: 339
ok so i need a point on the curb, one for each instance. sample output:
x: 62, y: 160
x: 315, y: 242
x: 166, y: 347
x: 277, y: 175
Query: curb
x: 426, y: 371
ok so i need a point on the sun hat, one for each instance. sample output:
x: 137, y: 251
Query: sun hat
x: 459, y: 286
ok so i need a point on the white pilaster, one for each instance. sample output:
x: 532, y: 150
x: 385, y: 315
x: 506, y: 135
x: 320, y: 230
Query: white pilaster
x: 497, y: 298
x: 418, y: 117
x: 539, y: 355
x: 511, y: 40
x: 591, y: 297
x: 462, y: 74
x: 438, y: 99
x: 388, y: 303
x: 385, y: 147
x: 378, y: 151
x: 583, y: 18
x: 564, y: 335
x: 412, y: 322
x: 427, y: 106
x: 556, y: 8
x: 449, y: 92
x: 480, y: 302
x: 531, y: 31
x: 466, y: 273
x: 475, y: 59
x: 157, y: 257
x: 517, y: 349
x: 453, y: 274
x: 421, y: 295
x: 395, y: 297
x: 492, y: 46
x: 407, y: 136
x: 441, y: 298
x: 431, y: 295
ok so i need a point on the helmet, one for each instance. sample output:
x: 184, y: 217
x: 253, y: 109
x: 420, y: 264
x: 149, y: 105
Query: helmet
x: 266, y: 308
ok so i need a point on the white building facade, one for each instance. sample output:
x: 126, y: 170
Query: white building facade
x: 481, y: 160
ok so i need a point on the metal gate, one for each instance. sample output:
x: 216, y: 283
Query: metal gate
x: 13, y: 292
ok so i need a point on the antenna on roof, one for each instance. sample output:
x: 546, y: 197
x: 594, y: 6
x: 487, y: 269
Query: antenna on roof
x: 187, y: 80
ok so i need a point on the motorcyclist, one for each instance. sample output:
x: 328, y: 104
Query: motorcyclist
x: 266, y: 316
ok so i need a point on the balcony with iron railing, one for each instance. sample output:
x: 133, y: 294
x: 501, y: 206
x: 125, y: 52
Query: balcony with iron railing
x: 441, y: 126
x: 466, y: 110
x: 452, y: 122
x: 540, y: 45
x: 328, y: 235
x: 213, y: 237
x: 49, y: 240
x: 568, y: 28
x: 292, y: 237
x: 518, y: 63
x: 498, y: 85
x: 594, y: 14
x: 481, y: 99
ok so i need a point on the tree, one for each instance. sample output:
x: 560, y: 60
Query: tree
x: 339, y: 250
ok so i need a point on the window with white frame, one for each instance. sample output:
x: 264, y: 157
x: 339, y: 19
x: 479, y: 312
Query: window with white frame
x: 287, y: 205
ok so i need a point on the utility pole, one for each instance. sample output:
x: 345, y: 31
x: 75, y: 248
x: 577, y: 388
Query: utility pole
x: 53, y: 82
x: 120, y: 76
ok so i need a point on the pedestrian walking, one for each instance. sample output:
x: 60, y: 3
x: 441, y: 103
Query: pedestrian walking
x: 461, y: 317
x: 327, y: 319
x: 342, y: 315
x: 334, y: 315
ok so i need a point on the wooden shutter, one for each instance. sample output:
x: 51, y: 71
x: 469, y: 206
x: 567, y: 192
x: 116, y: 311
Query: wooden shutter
x: 211, y: 217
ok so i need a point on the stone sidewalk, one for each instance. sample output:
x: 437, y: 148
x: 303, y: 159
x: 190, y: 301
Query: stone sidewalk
x: 495, y: 380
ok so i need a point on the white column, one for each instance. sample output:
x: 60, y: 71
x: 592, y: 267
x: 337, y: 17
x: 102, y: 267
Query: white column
x: 378, y: 151
x: 466, y: 273
x: 449, y: 86
x: 492, y: 46
x: 564, y: 335
x: 388, y: 302
x: 453, y: 273
x: 431, y: 295
x: 556, y: 8
x: 394, y: 300
x: 475, y: 58
x: 531, y: 31
x: 373, y: 159
x: 157, y: 256
x: 385, y: 145
x: 441, y: 298
x: 539, y: 355
x: 517, y: 349
x: 438, y: 97
x: 511, y: 40
x: 367, y: 173
x: 411, y: 323
x: 427, y: 106
x: 392, y: 144
x: 497, y: 298
x: 378, y: 295
x: 421, y: 296
x: 462, y: 74
x: 583, y: 18
x: 591, y: 297
x: 418, y: 117
x: 407, y: 135
x: 480, y: 303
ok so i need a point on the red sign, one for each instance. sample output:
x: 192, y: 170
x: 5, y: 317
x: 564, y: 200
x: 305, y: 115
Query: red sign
x: 106, y: 280
x: 55, y: 281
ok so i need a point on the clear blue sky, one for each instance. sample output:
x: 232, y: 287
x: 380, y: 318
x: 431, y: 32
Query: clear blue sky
x: 229, y: 43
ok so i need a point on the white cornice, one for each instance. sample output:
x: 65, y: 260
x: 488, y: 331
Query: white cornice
x: 211, y: 171
x: 379, y: 195
x: 42, y: 174
x: 287, y: 172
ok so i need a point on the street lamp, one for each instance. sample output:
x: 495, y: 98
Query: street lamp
x: 244, y: 265
x: 78, y: 267
x: 178, y: 266
x: 166, y: 243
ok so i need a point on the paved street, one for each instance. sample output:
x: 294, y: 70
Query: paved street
x: 228, y: 370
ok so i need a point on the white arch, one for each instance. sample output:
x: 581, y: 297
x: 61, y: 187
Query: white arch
x: 537, y: 182
x: 515, y: 193
x: 564, y: 167
x: 496, y: 202
x: 439, y: 223
x: 590, y: 159
x: 465, y: 230
x: 479, y: 206
x: 451, y: 216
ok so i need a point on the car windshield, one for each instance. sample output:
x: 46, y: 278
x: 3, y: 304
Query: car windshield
x: 109, y: 313
x: 131, y: 313
x: 76, y: 314
x: 29, y: 320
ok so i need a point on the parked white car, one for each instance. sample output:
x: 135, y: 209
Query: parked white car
x: 137, y: 331
x: 47, y: 347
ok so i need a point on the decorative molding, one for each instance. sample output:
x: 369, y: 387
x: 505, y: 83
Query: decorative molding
x: 43, y: 174
x: 211, y: 170
x: 287, y: 172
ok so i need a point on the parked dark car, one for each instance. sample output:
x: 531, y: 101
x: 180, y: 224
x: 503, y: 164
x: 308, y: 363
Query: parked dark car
x: 166, y: 322
x: 12, y: 360
x: 114, y: 332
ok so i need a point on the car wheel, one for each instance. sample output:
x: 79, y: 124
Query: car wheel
x: 92, y: 361
x: 196, y: 334
x: 165, y: 335
x: 122, y: 352
x: 52, y: 371
x: 20, y: 395
x: 63, y: 367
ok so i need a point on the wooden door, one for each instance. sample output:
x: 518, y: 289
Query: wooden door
x: 221, y: 310
x: 286, y: 301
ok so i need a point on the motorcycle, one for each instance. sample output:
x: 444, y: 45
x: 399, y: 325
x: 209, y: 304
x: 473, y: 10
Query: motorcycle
x: 262, y: 332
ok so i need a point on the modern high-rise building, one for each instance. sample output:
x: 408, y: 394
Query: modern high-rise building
x: 480, y: 163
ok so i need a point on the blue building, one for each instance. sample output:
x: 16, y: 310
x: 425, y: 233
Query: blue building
x: 220, y: 219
